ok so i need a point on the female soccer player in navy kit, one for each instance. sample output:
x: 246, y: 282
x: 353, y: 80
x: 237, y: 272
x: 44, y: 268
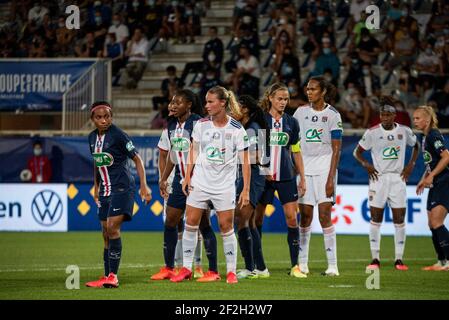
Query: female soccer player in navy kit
x: 436, y: 177
x: 176, y: 140
x: 217, y: 141
x: 253, y: 120
x: 282, y: 177
x: 113, y: 186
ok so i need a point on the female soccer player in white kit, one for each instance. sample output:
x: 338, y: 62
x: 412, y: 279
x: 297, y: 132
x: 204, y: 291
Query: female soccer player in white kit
x: 387, y: 179
x: 216, y: 143
x: 320, y: 137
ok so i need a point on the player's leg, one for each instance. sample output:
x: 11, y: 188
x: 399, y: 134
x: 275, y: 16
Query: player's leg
x: 399, y: 237
x: 178, y: 249
x: 210, y: 241
x: 114, y: 224
x: 226, y: 224
x: 260, y: 214
x: 241, y: 219
x: 374, y: 236
x: 436, y: 220
x: 330, y: 237
x: 306, y: 205
x: 261, y: 269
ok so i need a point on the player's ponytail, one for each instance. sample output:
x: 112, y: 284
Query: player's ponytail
x: 265, y: 103
x: 432, y: 115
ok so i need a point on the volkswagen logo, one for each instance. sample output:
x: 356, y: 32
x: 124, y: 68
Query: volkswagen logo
x: 46, y: 208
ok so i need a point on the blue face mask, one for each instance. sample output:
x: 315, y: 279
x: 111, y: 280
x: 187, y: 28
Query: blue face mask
x: 320, y: 18
x: 326, y: 50
x: 98, y: 20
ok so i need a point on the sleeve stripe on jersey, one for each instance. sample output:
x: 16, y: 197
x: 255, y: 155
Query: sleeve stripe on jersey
x: 236, y: 124
x: 333, y: 109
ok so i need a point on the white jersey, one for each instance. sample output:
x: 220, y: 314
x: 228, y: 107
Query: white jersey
x: 388, y: 147
x: 164, y: 144
x: 315, y: 129
x: 216, y: 165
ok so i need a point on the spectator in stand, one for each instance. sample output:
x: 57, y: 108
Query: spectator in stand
x: 440, y: 103
x: 120, y: 29
x: 439, y: 19
x: 213, y: 52
x: 39, y: 165
x: 103, y: 8
x: 352, y: 105
x: 38, y: 47
x: 402, y: 115
x: 37, y: 13
x: 407, y: 20
x: 404, y: 49
x: 193, y: 21
x: 90, y: 48
x: 368, y: 48
x: 169, y: 86
x: 369, y: 80
x: 327, y: 59
x: 246, y: 78
x: 394, y: 11
x: 99, y: 28
x: 64, y: 38
x: 403, y: 94
x: 137, y: 53
x: 249, y: 38
x: 297, y: 97
x: 209, y: 80
x: 113, y: 50
x: 428, y: 64
x: 153, y: 13
x: 286, y: 66
x: 311, y: 7
x: 135, y: 15
x: 356, y: 9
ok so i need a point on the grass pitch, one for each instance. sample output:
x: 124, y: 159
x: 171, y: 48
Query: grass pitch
x: 33, y: 266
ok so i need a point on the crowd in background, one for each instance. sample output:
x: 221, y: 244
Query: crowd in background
x: 361, y: 63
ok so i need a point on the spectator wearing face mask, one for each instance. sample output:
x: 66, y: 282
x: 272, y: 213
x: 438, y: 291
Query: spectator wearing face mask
x: 209, y: 81
x: 137, y: 53
x: 113, y: 50
x: 368, y: 47
x: 39, y: 165
x: 105, y: 11
x: 327, y: 59
x: 286, y: 66
x: 427, y: 64
x: 168, y: 88
x: 120, y: 29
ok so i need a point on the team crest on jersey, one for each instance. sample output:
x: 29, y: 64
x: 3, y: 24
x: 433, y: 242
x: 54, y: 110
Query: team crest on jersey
x: 180, y: 144
x: 391, y: 153
x: 324, y: 119
x: 400, y: 136
x: 427, y: 157
x: 277, y: 125
x: 314, y: 118
x: 216, y: 135
x: 215, y: 154
x: 103, y: 159
x: 390, y: 137
x: 279, y: 139
x: 314, y: 135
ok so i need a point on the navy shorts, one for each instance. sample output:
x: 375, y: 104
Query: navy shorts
x: 438, y: 195
x: 256, y: 188
x: 117, y: 204
x: 177, y: 199
x: 287, y: 191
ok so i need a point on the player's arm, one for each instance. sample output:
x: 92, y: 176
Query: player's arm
x: 299, y: 164
x: 145, y: 192
x: 191, y: 159
x: 358, y: 155
x: 162, y: 164
x: 246, y: 171
x: 163, y: 180
x: 411, y: 164
x: 336, y: 150
x: 96, y: 186
x: 441, y: 165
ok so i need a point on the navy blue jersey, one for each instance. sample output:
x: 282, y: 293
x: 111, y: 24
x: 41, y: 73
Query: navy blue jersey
x: 111, y: 152
x: 176, y: 139
x: 432, y: 146
x: 283, y: 134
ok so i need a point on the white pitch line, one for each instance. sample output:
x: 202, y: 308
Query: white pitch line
x: 140, y: 265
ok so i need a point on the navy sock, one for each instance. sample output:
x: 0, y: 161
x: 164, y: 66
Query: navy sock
x: 293, y: 244
x: 115, y: 254
x: 246, y: 247
x: 436, y: 245
x: 106, y: 261
x: 443, y: 238
x: 257, y: 250
x: 210, y: 244
x: 170, y: 240
x: 259, y: 229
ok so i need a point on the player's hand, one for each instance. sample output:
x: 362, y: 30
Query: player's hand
x: 269, y: 177
x: 163, y: 189
x: 420, y: 187
x: 145, y: 194
x: 372, y: 172
x: 428, y: 181
x: 406, y: 172
x: 302, y: 188
x: 330, y: 186
x: 186, y: 186
x: 243, y: 199
x: 97, y: 197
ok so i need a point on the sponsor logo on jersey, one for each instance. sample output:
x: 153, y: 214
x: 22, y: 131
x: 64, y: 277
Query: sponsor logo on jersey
x: 314, y: 135
x: 103, y: 159
x: 279, y: 138
x: 129, y: 146
x: 391, y: 153
x: 215, y: 154
x: 438, y: 144
x: 427, y: 157
x: 180, y: 144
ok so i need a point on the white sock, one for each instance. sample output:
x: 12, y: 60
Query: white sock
x: 178, y: 251
x: 304, y: 240
x: 198, y: 250
x: 330, y: 245
x: 374, y: 239
x: 399, y: 240
x: 189, y: 240
x: 230, y: 250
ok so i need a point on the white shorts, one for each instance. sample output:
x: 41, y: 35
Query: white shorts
x: 388, y: 188
x: 221, y: 201
x: 316, y: 190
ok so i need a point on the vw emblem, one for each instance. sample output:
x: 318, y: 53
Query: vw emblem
x: 46, y: 208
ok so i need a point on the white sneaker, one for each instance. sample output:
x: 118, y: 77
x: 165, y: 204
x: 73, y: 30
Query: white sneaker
x: 304, y: 268
x: 332, y: 271
x: 244, y: 273
x: 258, y: 274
